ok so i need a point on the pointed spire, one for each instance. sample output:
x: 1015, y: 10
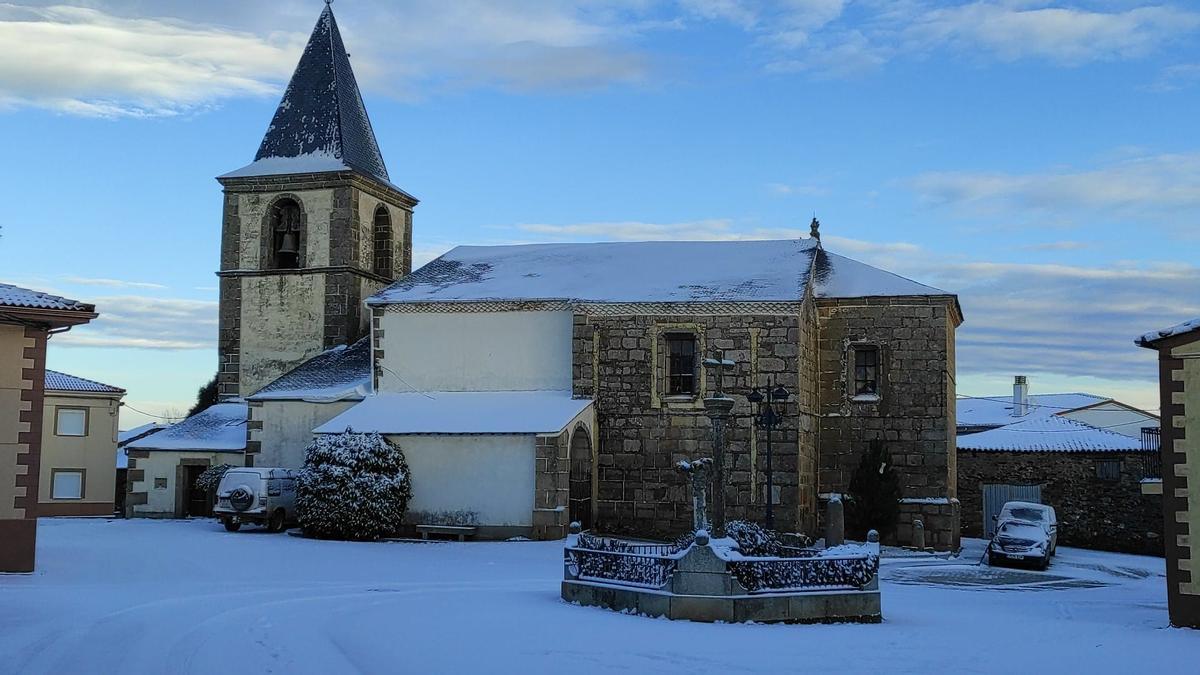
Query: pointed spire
x: 322, y: 119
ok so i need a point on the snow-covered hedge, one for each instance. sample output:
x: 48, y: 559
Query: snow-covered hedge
x: 211, y: 477
x: 800, y: 573
x: 353, y: 486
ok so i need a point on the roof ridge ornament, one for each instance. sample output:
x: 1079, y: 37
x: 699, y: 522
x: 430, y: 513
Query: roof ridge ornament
x: 814, y: 228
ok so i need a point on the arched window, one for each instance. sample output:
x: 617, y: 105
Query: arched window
x: 383, y: 243
x: 286, y: 228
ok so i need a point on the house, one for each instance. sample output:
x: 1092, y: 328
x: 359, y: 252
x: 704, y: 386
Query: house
x: 79, y: 444
x: 980, y: 413
x: 605, y: 372
x: 283, y: 414
x: 1076, y: 452
x: 125, y: 438
x: 164, y: 466
x: 1178, y: 350
x: 27, y: 320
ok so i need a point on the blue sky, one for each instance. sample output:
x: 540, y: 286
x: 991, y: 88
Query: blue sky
x: 1040, y: 159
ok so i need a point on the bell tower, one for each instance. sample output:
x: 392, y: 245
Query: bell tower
x: 310, y: 228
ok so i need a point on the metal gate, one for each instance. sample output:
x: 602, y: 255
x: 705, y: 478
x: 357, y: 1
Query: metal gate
x: 994, y: 497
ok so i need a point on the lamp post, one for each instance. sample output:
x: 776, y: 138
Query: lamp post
x: 768, y: 418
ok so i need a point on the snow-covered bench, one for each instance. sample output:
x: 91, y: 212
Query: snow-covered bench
x: 462, y: 532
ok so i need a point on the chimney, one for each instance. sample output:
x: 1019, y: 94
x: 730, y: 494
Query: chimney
x: 1020, y: 396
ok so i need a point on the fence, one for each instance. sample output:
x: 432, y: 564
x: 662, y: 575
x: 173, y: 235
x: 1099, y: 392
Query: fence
x: 1151, y: 459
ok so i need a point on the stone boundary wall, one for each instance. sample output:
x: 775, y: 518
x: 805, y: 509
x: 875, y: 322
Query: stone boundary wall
x: 1092, y: 512
x: 552, y: 464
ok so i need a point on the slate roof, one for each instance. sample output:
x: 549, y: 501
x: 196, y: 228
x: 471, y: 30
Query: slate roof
x: 460, y: 412
x: 997, y: 410
x: 321, y: 123
x: 57, y: 381
x: 649, y: 271
x: 1051, y: 433
x: 15, y: 296
x: 340, y: 373
x: 218, y: 428
x: 1178, y: 329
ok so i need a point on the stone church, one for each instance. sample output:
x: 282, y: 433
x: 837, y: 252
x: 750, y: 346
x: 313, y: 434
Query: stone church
x: 534, y: 385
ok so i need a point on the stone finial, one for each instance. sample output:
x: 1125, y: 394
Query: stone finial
x: 873, y: 537
x: 575, y: 527
x: 814, y: 229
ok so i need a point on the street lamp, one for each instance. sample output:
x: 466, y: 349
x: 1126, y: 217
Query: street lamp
x: 768, y: 418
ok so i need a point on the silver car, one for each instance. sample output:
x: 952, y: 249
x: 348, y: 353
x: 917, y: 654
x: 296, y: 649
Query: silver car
x: 261, y: 495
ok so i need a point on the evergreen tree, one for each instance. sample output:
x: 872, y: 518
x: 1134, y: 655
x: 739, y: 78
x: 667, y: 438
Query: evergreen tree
x: 353, y: 486
x: 205, y: 397
x: 874, y: 495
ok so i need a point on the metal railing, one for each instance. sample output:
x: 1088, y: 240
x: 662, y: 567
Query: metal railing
x: 773, y: 575
x: 618, y: 567
x: 1152, y: 457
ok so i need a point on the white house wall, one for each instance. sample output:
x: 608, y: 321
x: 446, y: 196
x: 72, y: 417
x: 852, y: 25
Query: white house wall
x: 287, y: 429
x: 486, y: 480
x: 484, y: 351
x: 1115, y: 418
x: 160, y: 503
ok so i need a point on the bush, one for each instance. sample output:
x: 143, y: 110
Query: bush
x: 353, y: 486
x: 753, y: 539
x: 874, y: 495
x: 211, y: 477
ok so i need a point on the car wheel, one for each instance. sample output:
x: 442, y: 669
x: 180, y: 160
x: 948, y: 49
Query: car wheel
x: 277, y: 521
x: 231, y: 526
x: 991, y: 560
x: 1045, y: 563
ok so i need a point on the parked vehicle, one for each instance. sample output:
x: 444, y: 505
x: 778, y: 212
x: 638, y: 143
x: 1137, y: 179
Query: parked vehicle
x: 1020, y: 541
x: 261, y: 495
x: 1041, y: 514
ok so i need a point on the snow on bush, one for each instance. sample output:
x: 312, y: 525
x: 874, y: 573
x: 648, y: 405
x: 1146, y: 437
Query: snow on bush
x: 353, y: 486
x: 752, y: 539
x: 211, y: 477
x: 775, y: 575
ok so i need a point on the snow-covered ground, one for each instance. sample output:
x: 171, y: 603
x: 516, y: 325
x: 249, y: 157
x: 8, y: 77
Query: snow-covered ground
x: 187, y: 597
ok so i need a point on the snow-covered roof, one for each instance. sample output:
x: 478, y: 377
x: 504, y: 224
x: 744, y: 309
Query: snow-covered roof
x: 57, y: 381
x: 649, y: 271
x: 321, y: 123
x: 343, y: 372
x: 472, y: 412
x: 1177, y: 329
x: 997, y: 410
x: 1049, y: 434
x: 218, y: 428
x: 135, y: 433
x: 15, y: 296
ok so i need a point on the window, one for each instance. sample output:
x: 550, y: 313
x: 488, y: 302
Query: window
x: 71, y: 422
x: 866, y: 371
x: 285, y: 235
x: 383, y: 243
x: 681, y: 364
x: 66, y: 484
x: 160, y: 483
x: 1108, y: 469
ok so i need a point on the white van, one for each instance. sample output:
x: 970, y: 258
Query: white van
x: 1039, y: 514
x: 261, y: 495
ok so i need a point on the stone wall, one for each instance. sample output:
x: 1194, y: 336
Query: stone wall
x: 913, y: 413
x: 1092, y: 512
x: 552, y: 463
x: 643, y: 433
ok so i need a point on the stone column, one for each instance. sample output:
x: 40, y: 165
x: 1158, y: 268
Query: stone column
x: 835, y: 523
x: 718, y: 409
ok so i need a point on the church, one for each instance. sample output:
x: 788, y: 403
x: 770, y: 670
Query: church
x: 535, y: 385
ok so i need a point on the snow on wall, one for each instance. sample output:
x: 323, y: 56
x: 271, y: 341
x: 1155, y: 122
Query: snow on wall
x: 484, y: 351
x: 491, y: 477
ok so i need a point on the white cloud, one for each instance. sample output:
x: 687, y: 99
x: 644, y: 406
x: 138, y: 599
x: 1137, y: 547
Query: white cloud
x: 1067, y: 35
x: 1057, y: 246
x: 1176, y: 77
x: 110, y: 283
x: 1159, y: 188
x: 800, y: 190
x: 86, y: 62
x: 148, y: 323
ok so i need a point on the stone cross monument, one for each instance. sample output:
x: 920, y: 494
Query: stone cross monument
x: 718, y: 408
x: 699, y: 470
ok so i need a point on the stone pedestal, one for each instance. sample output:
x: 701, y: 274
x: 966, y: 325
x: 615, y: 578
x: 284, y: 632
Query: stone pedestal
x: 835, y: 523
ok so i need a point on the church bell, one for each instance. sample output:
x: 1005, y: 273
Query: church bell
x: 290, y: 242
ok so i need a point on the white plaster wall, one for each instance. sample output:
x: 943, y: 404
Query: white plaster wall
x: 162, y: 464
x: 317, y: 206
x: 476, y: 351
x: 283, y: 323
x: 491, y: 476
x: 287, y: 429
x: 1114, y: 418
